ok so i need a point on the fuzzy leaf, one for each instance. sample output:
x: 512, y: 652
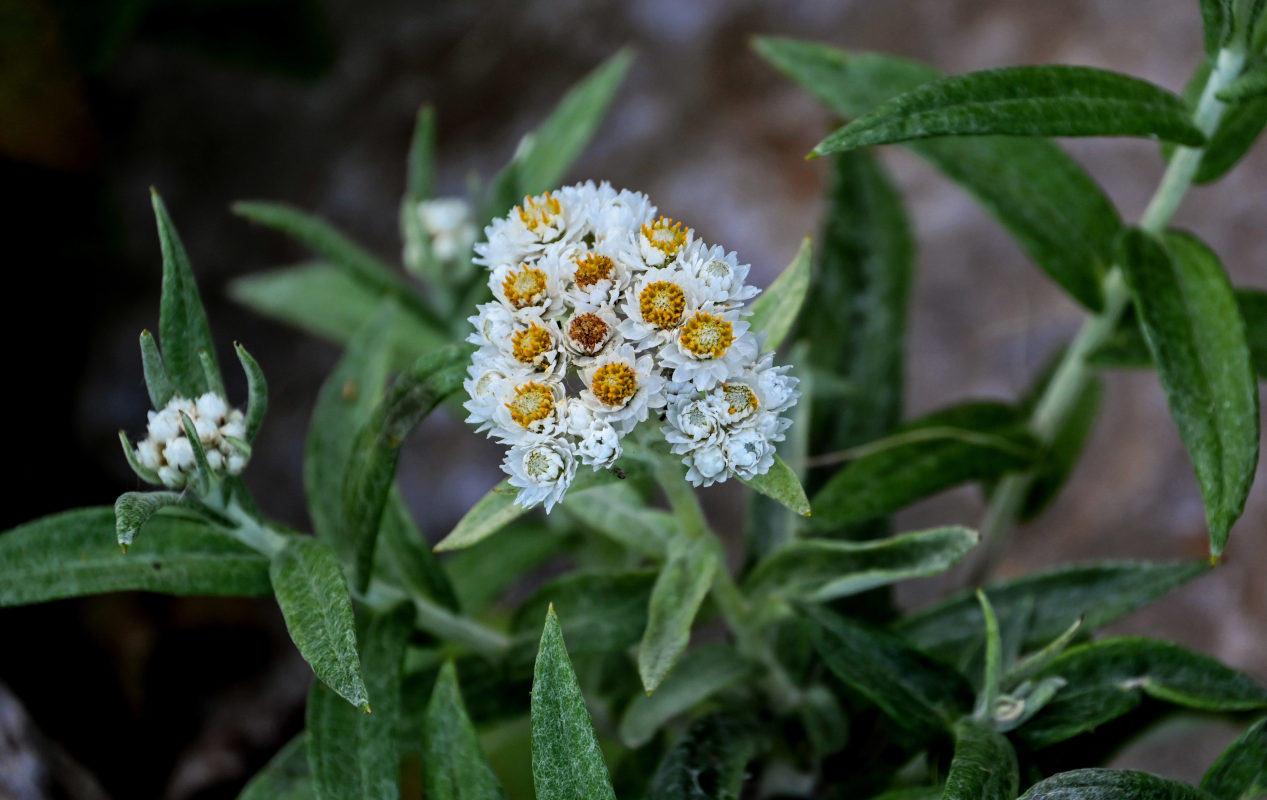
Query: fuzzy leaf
x: 1190, y: 321
x: 1237, y: 131
x: 1047, y: 100
x: 407, y: 555
x: 818, y: 570
x: 1097, y: 593
x: 775, y: 312
x: 420, y: 178
x: 1216, y: 22
x: 1111, y: 784
x: 256, y: 390
x: 621, y: 514
x: 284, y: 777
x: 780, y: 483
x: 1048, y: 202
x: 454, y: 766
x: 984, y: 766
x: 182, y: 322
x: 313, y: 596
x: 709, y: 761
x: 567, y: 763
x: 157, y: 383
x: 134, y: 509
x: 679, y: 590
x: 482, y: 572
x: 702, y: 673
x: 74, y: 553
x: 1251, y: 84
x: 1109, y: 678
x: 601, y: 612
x: 1241, y: 772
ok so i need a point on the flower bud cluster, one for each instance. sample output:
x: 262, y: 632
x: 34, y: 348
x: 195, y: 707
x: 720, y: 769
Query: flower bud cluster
x: 603, y: 313
x: 167, y: 450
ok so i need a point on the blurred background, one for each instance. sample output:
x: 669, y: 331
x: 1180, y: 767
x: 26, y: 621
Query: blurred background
x: 312, y: 102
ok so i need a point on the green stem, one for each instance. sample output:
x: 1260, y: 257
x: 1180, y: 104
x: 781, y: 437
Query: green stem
x: 1073, y: 372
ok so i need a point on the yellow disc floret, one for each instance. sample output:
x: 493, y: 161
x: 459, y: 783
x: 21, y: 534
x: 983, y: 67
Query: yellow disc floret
x: 706, y: 335
x: 739, y: 398
x: 614, y: 383
x: 661, y: 304
x: 532, y: 402
x: 539, y: 212
x: 592, y: 268
x: 524, y: 286
x: 588, y: 332
x: 531, y: 343
x: 666, y: 236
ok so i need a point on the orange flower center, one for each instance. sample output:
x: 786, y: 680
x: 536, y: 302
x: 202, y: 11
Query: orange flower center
x: 707, y: 335
x: 661, y: 304
x: 666, y: 236
x: 614, y: 383
x: 592, y: 268
x: 739, y: 398
x: 588, y: 331
x: 539, y: 212
x: 524, y: 286
x: 532, y: 402
x: 531, y: 343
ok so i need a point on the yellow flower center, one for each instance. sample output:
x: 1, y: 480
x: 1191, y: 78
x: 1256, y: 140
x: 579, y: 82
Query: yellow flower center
x: 707, y: 335
x: 666, y: 236
x: 592, y: 268
x: 532, y: 402
x: 524, y: 286
x: 739, y: 398
x: 539, y: 212
x: 661, y: 304
x: 531, y: 343
x: 588, y: 331
x: 614, y: 383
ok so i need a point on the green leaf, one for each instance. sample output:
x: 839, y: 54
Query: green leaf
x: 481, y: 573
x: 1062, y: 453
x: 709, y: 761
x: 1047, y: 100
x: 1111, y: 784
x: 75, y: 553
x: 284, y: 777
x: 560, y: 139
x: 602, y: 612
x: 1241, y: 772
x: 420, y: 178
x: 702, y: 673
x: 769, y: 524
x: 313, y: 596
x: 203, y: 478
x: 1190, y: 321
x: 984, y: 766
x: 134, y: 509
x: 1109, y: 678
x: 1252, y: 83
x: 919, y: 695
x: 328, y: 303
x: 371, y: 466
x: 342, y: 253
x: 619, y: 512
x: 1237, y: 131
x: 970, y: 442
x: 182, y: 322
x: 777, y: 309
x: 454, y: 766
x: 1097, y: 593
x: 157, y: 384
x: 408, y: 556
x: 818, y: 570
x: 353, y: 754
x: 567, y: 763
x: 1048, y: 202
x: 989, y: 691
x: 679, y: 590
x: 780, y: 483
x: 211, y: 372
x: 344, y: 405
x: 256, y: 392
x: 1216, y: 23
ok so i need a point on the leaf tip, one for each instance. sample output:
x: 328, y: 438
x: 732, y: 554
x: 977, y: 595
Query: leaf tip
x: 366, y: 708
x: 124, y: 548
x: 1216, y: 559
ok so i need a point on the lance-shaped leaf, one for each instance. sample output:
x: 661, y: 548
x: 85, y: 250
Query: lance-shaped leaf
x: 1048, y: 202
x: 974, y: 441
x: 420, y: 176
x: 371, y: 466
x: 1190, y: 321
x: 702, y: 673
x: 984, y: 766
x: 1111, y: 784
x: 567, y: 763
x: 1216, y: 24
x: 781, y: 484
x: 182, y: 322
x: 818, y: 570
x: 776, y: 310
x: 134, y: 509
x: 352, y: 754
x: 313, y: 596
x: 769, y: 523
x: 619, y: 512
x: 481, y: 573
x: 454, y: 766
x: 404, y: 552
x: 1252, y: 84
x: 1237, y: 131
x: 1109, y: 678
x: 203, y: 478
x: 921, y: 697
x: 74, y: 553
x: 679, y: 590
x: 329, y: 303
x: 1052, y: 601
x: 600, y: 612
x: 714, y: 752
x: 256, y: 392
x: 157, y: 383
x: 1241, y: 772
x: 284, y: 777
x: 1047, y: 100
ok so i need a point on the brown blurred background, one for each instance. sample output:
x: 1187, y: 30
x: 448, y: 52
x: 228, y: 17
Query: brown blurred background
x: 313, y: 102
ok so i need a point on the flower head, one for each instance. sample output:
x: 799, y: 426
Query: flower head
x: 167, y: 451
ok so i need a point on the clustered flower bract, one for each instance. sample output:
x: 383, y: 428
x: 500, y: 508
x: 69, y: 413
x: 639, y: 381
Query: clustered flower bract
x: 167, y: 451
x: 604, y: 314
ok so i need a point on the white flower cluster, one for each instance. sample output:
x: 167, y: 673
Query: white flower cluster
x: 167, y: 450
x: 448, y: 223
x: 603, y: 312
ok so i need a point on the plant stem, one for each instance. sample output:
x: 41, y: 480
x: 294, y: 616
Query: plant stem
x: 1073, y: 372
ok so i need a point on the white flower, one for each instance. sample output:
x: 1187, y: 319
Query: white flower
x: 748, y: 452
x: 542, y: 467
x: 529, y: 286
x: 719, y: 274
x: 167, y: 450
x: 661, y: 242
x: 692, y: 422
x: 523, y: 234
x: 706, y: 466
x: 535, y: 345
x: 656, y: 304
x: 599, y: 274
x: 599, y: 442
x: 621, y: 386
x: 532, y: 406
x: 447, y: 221
x: 488, y: 385
x: 589, y: 330
x: 620, y: 214
x: 708, y: 348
